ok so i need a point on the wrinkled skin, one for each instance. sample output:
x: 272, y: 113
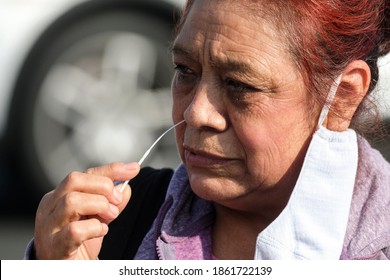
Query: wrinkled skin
x: 249, y: 121
x: 245, y: 105
x: 249, y: 117
x: 72, y: 220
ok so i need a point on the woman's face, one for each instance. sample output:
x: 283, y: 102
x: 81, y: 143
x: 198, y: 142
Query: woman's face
x: 248, y: 116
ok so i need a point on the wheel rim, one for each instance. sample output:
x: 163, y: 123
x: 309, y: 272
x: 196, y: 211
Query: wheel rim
x: 101, y: 107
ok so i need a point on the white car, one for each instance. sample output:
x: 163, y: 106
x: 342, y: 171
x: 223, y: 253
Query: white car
x: 84, y: 83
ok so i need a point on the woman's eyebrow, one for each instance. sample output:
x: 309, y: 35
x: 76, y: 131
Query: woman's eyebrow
x: 231, y: 64
x: 227, y: 63
x: 181, y: 50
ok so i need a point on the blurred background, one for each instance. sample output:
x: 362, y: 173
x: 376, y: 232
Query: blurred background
x: 84, y: 83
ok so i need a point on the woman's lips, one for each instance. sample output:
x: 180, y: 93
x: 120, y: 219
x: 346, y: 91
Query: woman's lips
x: 204, y: 159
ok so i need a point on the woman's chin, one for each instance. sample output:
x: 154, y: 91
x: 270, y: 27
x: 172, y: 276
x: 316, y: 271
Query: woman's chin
x: 215, y: 189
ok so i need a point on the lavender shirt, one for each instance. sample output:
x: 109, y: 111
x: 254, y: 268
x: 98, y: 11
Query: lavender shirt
x: 182, y: 229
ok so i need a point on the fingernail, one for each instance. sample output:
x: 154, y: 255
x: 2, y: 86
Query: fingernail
x: 131, y: 166
x: 114, y: 210
x: 104, y: 228
x: 117, y: 195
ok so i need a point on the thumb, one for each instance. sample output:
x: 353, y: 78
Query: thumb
x: 126, y: 197
x: 116, y: 171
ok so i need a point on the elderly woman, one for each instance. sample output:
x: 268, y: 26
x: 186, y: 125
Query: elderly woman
x: 271, y: 93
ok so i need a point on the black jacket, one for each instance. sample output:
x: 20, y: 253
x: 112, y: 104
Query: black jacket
x: 129, y: 229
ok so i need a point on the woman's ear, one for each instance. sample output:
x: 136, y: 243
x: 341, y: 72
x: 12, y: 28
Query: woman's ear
x: 353, y: 88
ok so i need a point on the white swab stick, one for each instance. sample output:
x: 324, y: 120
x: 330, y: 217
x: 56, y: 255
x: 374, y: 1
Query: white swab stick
x: 149, y: 150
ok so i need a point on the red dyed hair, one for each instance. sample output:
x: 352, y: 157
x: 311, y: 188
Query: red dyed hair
x: 325, y: 36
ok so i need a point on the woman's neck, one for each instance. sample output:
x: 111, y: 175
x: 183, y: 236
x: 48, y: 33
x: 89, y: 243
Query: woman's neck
x: 235, y: 231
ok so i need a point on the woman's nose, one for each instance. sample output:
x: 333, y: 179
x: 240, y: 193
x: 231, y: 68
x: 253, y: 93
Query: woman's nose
x: 206, y: 109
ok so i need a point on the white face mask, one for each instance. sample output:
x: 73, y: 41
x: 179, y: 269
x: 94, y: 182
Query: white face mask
x: 314, y: 222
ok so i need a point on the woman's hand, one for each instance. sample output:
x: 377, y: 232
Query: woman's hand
x: 72, y: 220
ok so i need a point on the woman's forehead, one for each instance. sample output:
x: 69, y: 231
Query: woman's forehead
x: 219, y: 10
x: 224, y: 31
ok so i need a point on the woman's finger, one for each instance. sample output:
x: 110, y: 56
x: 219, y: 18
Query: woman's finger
x: 116, y: 171
x: 126, y: 194
x: 76, y: 206
x: 68, y: 241
x: 87, y: 183
x: 98, y: 180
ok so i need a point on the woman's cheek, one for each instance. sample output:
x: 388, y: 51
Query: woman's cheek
x: 181, y: 96
x: 178, y: 109
x: 260, y: 147
x: 180, y: 140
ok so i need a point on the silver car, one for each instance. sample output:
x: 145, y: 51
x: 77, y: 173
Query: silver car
x: 84, y: 83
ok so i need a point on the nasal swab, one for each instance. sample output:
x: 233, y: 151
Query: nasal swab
x: 149, y: 150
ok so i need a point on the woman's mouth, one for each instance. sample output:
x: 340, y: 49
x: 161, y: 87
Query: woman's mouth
x: 203, y: 159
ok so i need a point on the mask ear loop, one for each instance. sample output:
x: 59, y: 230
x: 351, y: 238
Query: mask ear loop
x: 329, y: 100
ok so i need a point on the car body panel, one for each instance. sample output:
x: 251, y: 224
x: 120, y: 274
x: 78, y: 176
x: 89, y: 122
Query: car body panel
x: 22, y: 22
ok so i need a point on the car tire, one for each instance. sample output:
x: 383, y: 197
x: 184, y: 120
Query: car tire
x: 45, y: 115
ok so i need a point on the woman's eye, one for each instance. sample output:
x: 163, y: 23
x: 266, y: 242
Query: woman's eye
x: 184, y: 73
x: 183, y: 70
x: 238, y: 87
